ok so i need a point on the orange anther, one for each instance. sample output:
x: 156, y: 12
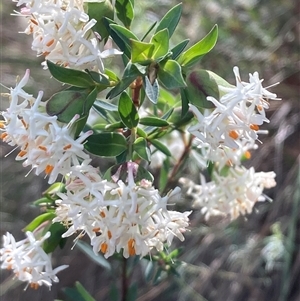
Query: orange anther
x: 22, y: 153
x: 254, y: 127
x: 102, y: 214
x: 48, y: 169
x: 67, y: 146
x: 34, y: 21
x: 3, y: 135
x: 44, y: 148
x: 233, y: 134
x: 109, y: 234
x: 259, y: 107
x: 131, y: 249
x: 50, y: 43
x: 96, y: 230
x: 247, y: 155
x: 104, y: 248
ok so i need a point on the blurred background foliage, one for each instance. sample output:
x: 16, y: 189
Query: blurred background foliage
x: 253, y: 258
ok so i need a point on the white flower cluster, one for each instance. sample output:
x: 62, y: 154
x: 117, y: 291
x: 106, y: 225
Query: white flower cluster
x: 118, y: 216
x: 27, y: 259
x: 232, y: 195
x: 224, y: 137
x: 45, y: 144
x: 62, y: 33
x: 234, y: 123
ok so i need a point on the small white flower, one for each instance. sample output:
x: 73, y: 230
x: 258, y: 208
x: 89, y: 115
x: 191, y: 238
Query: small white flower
x: 27, y: 259
x: 236, y: 118
x: 63, y: 33
x: 231, y: 195
x: 122, y: 216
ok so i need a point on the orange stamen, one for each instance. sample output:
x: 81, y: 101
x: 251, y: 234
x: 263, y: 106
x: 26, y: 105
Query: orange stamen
x: 102, y: 214
x: 247, y: 155
x: 96, y: 230
x: 35, y: 286
x: 2, y: 125
x: 34, y: 22
x: 254, y: 127
x: 259, y: 107
x: 22, y: 153
x: 48, y: 169
x: 233, y: 134
x: 50, y: 43
x: 44, y: 148
x: 104, y: 248
x: 3, y: 135
x: 67, y: 146
x: 109, y: 234
x: 24, y: 123
x: 131, y: 249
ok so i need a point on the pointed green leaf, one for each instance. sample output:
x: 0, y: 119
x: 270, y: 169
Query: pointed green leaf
x: 170, y: 20
x: 141, y: 148
x: 170, y: 75
x: 106, y: 144
x: 152, y: 91
x: 105, y: 105
x: 161, y: 44
x: 141, y: 52
x: 161, y: 147
x: 148, y: 31
x: 177, y: 50
x: 153, y: 121
x: 108, y: 127
x: 48, y: 216
x: 99, y: 78
x: 194, y: 54
x: 69, y: 76
x: 127, y: 111
x: 141, y: 132
x: 125, y: 12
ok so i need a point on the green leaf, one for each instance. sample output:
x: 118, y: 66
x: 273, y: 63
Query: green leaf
x: 152, y: 91
x: 141, y: 132
x: 132, y: 292
x: 164, y: 173
x: 126, y: 37
x: 153, y: 121
x: 131, y: 72
x: 190, y: 57
x: 170, y: 20
x: 141, y: 52
x: 127, y: 111
x: 43, y: 201
x: 177, y: 50
x: 141, y: 148
x: 170, y: 75
x: 148, y: 31
x: 39, y: 220
x: 125, y: 12
x: 161, y: 44
x: 201, y: 84
x: 69, y: 76
x: 83, y: 292
x: 105, y: 105
x: 160, y: 146
x: 108, y: 127
x: 66, y: 104
x: 99, y: 78
x: 106, y: 144
x: 97, y: 258
x: 98, y: 10
x: 56, y: 230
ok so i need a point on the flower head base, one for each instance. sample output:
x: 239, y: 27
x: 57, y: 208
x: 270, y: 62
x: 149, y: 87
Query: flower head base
x: 29, y: 262
x: 45, y: 143
x: 233, y: 195
x: 128, y: 216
